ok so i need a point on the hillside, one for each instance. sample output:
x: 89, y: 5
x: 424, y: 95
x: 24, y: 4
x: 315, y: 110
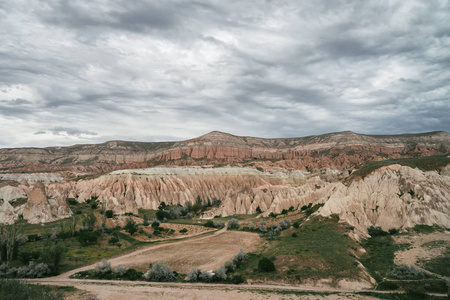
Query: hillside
x: 340, y: 151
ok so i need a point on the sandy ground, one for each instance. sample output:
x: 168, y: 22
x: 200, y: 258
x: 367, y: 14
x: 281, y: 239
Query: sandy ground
x: 206, y: 253
x: 126, y: 290
x: 417, y: 251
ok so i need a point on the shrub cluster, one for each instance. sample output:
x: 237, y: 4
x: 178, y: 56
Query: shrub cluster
x: 233, y: 224
x: 33, y: 270
x: 407, y: 272
x: 214, y: 224
x: 222, y: 273
x: 159, y: 272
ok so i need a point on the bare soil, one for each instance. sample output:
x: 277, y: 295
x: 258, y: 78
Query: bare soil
x: 182, y: 256
x: 419, y: 249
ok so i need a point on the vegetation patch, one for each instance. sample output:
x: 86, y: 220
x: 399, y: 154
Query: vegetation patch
x: 439, y: 265
x: 379, y: 259
x: 430, y: 163
x: 14, y: 290
x: 319, y: 249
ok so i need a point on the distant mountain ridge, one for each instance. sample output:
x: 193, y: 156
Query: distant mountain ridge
x: 338, y: 150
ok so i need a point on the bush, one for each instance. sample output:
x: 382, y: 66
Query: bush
x: 229, y: 266
x: 209, y: 223
x: 120, y: 271
x: 155, y: 224
x: 14, y: 289
x: 21, y: 239
x: 284, y: 211
x: 109, y: 213
x: 159, y: 272
x: 376, y: 231
x: 220, y: 274
x: 252, y: 226
x: 113, y: 240
x: 184, y: 230
x: 131, y: 227
x: 205, y: 276
x: 407, y: 272
x: 285, y: 224
x: 233, y: 224
x: 393, y: 231
x: 87, y: 238
x: 102, y: 268
x: 296, y: 225
x: 193, y: 275
x: 72, y: 201
x: 132, y: 274
x: 237, y: 278
x: 240, y: 258
x: 266, y: 265
x: 294, y: 234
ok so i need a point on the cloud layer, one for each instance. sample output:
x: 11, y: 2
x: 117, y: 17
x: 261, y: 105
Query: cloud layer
x: 91, y: 71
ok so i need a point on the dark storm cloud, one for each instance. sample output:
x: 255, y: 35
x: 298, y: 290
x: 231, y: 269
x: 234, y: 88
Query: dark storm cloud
x: 89, y: 71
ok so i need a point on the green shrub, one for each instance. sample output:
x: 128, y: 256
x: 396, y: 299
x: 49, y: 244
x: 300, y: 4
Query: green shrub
x: 15, y: 290
x: 113, y: 240
x: 159, y: 272
x: 387, y: 286
x: 266, y: 265
x: 407, y: 272
x: 109, y: 213
x: 184, y: 230
x: 88, y: 238
x: 131, y: 227
x: 376, y: 231
x: 72, y: 201
x: 296, y: 225
x: 237, y: 278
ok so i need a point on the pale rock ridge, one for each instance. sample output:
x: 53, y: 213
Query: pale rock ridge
x: 392, y: 197
x: 39, y: 209
x: 241, y: 190
x: 33, y: 177
x: 9, y: 193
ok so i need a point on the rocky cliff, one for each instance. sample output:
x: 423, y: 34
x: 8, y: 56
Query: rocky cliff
x: 334, y: 150
x: 393, y: 196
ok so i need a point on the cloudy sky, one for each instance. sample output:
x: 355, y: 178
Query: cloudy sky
x: 91, y: 71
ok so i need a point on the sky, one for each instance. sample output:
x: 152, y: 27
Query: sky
x: 77, y: 72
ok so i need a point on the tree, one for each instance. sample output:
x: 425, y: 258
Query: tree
x: 193, y: 275
x: 232, y: 224
x: 131, y: 227
x: 266, y: 265
x: 159, y: 272
x: 145, y: 222
x: 109, y: 213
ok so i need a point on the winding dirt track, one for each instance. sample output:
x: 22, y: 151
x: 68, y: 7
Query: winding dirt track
x: 117, y: 289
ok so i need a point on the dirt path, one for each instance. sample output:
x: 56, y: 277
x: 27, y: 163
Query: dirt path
x: 114, y: 289
x: 134, y: 256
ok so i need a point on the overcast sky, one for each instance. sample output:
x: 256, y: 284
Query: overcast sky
x: 91, y: 71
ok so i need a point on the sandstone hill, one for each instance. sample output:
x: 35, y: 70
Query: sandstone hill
x: 339, y: 151
x: 366, y: 180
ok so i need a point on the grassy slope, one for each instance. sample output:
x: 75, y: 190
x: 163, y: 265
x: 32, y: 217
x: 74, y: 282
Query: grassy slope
x: 429, y: 163
x: 321, y: 250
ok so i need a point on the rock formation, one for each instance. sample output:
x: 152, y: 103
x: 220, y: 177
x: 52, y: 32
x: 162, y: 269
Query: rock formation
x: 39, y: 209
x: 271, y: 174
x: 392, y: 197
x: 334, y: 150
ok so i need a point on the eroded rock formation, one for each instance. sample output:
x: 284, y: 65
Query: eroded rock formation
x: 40, y: 209
x: 334, y: 150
